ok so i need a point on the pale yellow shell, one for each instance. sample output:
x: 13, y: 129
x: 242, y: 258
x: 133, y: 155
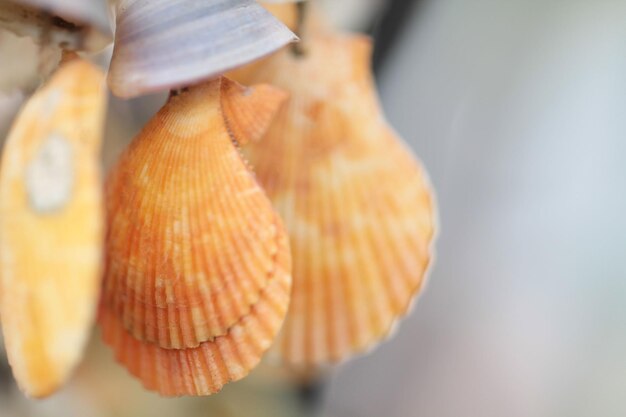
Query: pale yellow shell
x: 356, y: 202
x: 51, y: 227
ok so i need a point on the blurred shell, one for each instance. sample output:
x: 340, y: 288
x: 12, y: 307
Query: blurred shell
x: 71, y: 24
x: 355, y: 201
x: 196, y: 256
x: 167, y: 44
x: 51, y: 227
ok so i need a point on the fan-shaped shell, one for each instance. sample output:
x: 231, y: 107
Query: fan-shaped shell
x: 165, y: 44
x: 193, y: 245
x: 71, y: 24
x: 52, y: 227
x: 197, y: 279
x: 356, y: 203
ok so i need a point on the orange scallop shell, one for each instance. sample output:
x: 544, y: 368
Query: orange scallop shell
x: 194, y: 246
x: 356, y: 202
x: 52, y: 227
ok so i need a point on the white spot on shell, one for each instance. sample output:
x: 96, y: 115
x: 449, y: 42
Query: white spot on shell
x: 50, y: 175
x: 51, y: 102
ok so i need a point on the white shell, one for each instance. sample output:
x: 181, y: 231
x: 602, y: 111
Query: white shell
x: 166, y: 44
x: 71, y: 24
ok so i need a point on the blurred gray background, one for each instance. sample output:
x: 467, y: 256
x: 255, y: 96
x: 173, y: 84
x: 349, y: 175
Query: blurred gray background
x: 518, y: 109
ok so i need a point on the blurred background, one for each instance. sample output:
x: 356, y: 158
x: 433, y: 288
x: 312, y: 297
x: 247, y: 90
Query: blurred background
x: 517, y: 108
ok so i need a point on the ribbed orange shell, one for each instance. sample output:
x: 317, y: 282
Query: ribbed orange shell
x: 193, y: 243
x: 356, y: 203
x: 52, y: 227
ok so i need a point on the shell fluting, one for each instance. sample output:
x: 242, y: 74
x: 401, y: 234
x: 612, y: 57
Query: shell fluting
x: 205, y: 369
x: 355, y: 201
x: 194, y: 249
x: 52, y: 227
x: 249, y: 111
x: 166, y: 44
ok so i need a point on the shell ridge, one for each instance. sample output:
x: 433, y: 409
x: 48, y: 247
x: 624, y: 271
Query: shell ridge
x: 204, y: 263
x: 271, y: 274
x: 114, y: 186
x: 148, y: 315
x: 140, y: 151
x: 374, y: 311
x: 280, y: 124
x: 225, y: 267
x: 134, y: 301
x: 410, y: 247
x: 165, y: 150
x: 175, y: 284
x: 276, y: 277
x: 219, y: 268
x: 331, y: 281
x: 115, y: 335
x: 249, y: 111
x: 388, y: 258
x: 133, y: 282
x: 133, y: 206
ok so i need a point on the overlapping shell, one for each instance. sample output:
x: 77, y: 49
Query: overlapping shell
x: 356, y: 203
x: 198, y: 267
x: 165, y: 44
x: 52, y: 227
x: 71, y: 24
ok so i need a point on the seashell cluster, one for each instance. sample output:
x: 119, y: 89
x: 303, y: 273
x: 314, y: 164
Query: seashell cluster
x: 356, y: 202
x: 168, y: 44
x: 197, y: 264
x: 197, y: 277
x: 192, y: 276
x: 51, y: 227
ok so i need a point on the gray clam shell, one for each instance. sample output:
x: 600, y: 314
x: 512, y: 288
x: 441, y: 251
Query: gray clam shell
x: 168, y: 44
